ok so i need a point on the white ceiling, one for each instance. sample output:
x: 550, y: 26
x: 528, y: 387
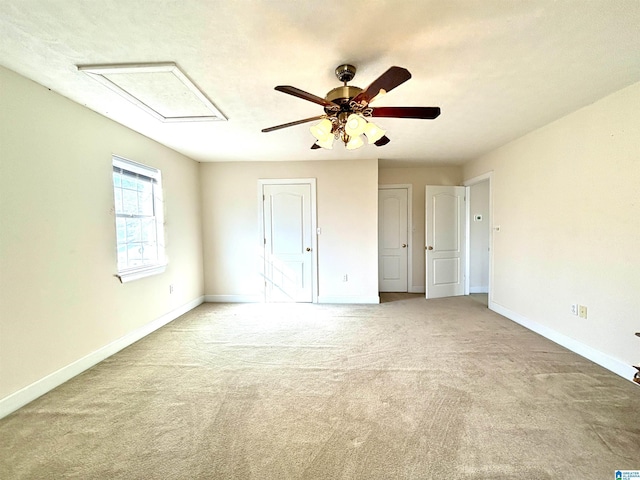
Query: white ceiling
x: 497, y: 68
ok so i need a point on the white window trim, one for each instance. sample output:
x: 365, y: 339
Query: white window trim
x: 131, y: 274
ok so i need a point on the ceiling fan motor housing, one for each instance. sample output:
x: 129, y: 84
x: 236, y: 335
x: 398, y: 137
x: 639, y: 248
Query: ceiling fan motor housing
x: 342, y: 96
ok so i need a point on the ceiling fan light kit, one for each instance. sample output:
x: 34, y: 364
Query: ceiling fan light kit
x: 326, y: 142
x: 373, y: 132
x: 354, y: 142
x: 348, y: 131
x: 355, y: 125
x: 322, y: 130
x: 347, y: 110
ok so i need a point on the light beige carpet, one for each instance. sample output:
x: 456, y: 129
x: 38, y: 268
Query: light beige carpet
x: 408, y: 389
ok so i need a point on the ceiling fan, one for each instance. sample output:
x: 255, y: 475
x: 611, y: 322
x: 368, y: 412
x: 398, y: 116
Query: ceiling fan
x: 347, y: 109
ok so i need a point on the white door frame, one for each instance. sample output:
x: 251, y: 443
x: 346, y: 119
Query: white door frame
x: 409, y: 188
x: 314, y: 228
x: 468, y: 184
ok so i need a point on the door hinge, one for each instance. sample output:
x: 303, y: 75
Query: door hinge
x: 263, y: 198
x: 265, y: 241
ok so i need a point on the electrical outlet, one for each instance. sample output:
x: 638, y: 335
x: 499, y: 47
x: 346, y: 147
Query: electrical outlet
x: 582, y: 311
x: 171, y: 288
x: 345, y: 278
x: 574, y: 309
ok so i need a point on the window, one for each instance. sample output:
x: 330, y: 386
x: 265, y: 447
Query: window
x: 137, y: 192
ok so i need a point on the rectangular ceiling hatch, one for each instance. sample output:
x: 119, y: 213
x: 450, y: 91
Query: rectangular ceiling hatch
x: 160, y: 89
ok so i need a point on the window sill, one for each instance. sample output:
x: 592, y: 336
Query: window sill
x: 131, y: 275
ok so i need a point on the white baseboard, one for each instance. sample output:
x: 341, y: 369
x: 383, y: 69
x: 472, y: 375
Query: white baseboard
x: 348, y: 299
x: 234, y: 298
x: 484, y: 289
x: 612, y: 364
x: 29, y: 393
x: 260, y: 299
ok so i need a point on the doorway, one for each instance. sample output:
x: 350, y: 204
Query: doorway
x: 394, y: 245
x: 288, y: 239
x: 445, y: 241
x: 479, y: 235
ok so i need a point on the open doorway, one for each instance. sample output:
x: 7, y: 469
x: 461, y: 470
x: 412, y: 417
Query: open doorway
x: 478, y: 277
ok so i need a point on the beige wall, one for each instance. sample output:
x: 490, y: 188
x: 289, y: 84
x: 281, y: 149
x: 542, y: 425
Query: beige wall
x: 419, y: 177
x: 566, y: 198
x: 347, y: 204
x: 59, y: 299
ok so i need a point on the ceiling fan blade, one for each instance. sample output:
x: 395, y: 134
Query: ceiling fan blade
x: 296, y: 92
x: 427, y: 113
x: 387, y: 82
x: 382, y: 142
x: 291, y: 124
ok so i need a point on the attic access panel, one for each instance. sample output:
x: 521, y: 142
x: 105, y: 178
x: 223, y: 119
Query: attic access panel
x: 160, y: 89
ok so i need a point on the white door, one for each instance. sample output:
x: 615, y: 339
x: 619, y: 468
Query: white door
x: 288, y: 243
x: 445, y: 240
x: 392, y: 239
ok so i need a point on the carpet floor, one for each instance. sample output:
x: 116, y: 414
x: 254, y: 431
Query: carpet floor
x: 407, y: 389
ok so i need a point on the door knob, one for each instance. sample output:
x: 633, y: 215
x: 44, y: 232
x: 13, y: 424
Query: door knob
x: 429, y: 247
x: 308, y: 249
x: 404, y: 245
